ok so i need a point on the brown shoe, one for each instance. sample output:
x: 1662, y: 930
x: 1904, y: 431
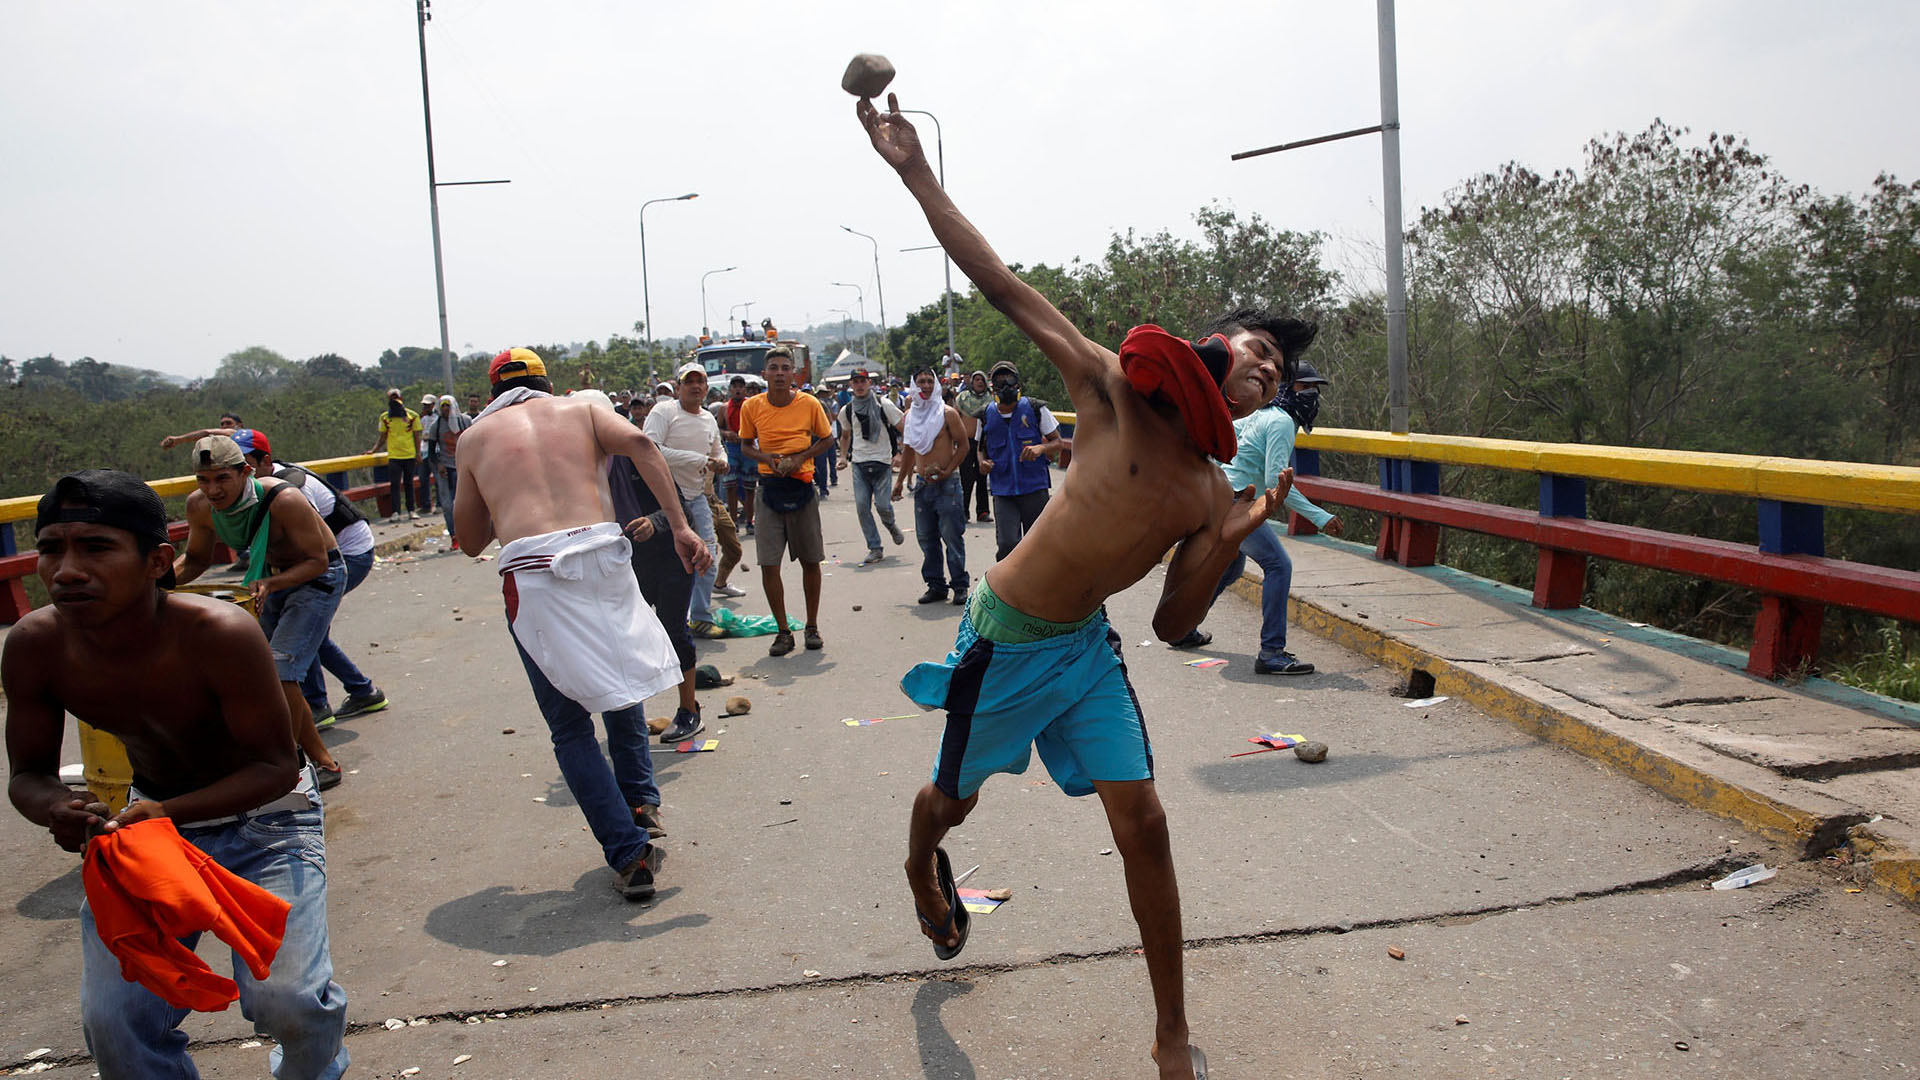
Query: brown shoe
x: 782, y: 644
x: 814, y: 640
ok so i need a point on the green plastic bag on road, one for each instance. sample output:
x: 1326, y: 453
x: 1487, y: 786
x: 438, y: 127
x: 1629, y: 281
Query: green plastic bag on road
x: 750, y: 625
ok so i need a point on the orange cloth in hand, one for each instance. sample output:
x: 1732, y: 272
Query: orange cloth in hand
x: 1155, y: 361
x: 148, y: 887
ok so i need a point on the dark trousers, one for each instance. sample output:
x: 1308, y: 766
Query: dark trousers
x: 400, y: 477
x: 973, y: 482
x: 669, y: 588
x: 1013, y: 516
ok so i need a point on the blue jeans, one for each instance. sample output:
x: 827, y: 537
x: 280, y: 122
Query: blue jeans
x: 1263, y: 546
x: 314, y: 686
x: 826, y: 468
x: 296, y: 620
x: 871, y: 483
x: 940, y: 519
x: 606, y: 796
x: 700, y: 517
x: 132, y: 1033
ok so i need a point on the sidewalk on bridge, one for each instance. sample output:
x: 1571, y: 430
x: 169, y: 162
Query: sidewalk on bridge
x: 1824, y: 768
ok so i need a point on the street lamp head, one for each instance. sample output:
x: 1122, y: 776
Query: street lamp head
x: 688, y: 195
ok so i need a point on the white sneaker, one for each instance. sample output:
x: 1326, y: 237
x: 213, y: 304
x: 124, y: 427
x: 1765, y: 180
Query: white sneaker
x: 734, y: 591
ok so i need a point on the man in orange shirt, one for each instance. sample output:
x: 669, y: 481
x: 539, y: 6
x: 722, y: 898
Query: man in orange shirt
x: 783, y: 430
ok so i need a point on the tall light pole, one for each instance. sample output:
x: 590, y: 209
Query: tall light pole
x: 877, y: 286
x: 946, y: 263
x: 865, y: 345
x: 1398, y: 415
x: 748, y: 306
x: 646, y: 297
x: 705, y: 330
x: 423, y: 16
x: 844, y: 316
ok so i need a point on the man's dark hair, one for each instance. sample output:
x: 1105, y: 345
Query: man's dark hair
x: 235, y: 417
x: 737, y: 380
x: 531, y: 382
x: 919, y: 371
x: 1293, y: 335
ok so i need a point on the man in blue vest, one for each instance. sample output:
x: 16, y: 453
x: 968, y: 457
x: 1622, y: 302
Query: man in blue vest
x: 1017, y: 437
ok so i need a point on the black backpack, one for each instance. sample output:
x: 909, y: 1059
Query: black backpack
x: 344, y: 512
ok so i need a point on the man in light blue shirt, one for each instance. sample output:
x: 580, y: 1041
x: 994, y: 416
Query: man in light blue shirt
x: 1266, y: 447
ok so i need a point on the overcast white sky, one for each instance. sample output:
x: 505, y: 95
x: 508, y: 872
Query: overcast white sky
x: 184, y: 179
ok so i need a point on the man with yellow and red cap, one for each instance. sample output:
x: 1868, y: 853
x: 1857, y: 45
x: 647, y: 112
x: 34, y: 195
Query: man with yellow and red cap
x: 533, y: 475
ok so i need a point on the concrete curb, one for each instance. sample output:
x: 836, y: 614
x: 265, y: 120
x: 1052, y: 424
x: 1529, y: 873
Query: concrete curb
x: 1812, y: 823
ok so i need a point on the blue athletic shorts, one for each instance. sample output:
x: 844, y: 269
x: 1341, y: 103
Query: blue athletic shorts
x: 1067, y: 695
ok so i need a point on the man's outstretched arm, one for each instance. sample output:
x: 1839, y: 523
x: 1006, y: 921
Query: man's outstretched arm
x: 1082, y: 363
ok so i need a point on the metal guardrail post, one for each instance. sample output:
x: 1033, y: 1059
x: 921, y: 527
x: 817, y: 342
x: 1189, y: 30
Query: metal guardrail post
x: 1305, y: 463
x: 1786, y: 632
x: 1405, y: 541
x: 1560, y: 579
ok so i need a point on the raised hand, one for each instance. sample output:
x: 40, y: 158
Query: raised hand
x: 892, y: 135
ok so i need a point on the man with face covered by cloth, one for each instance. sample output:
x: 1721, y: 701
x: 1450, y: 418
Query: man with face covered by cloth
x: 1017, y: 438
x: 1034, y: 662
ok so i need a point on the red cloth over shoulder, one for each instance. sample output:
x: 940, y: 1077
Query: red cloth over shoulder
x: 1157, y: 362
x: 148, y: 887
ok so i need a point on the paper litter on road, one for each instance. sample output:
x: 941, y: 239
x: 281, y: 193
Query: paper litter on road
x: 851, y: 722
x: 1425, y: 701
x: 1278, y: 741
x: 700, y: 746
x: 1214, y: 662
x: 1752, y: 875
x: 978, y: 902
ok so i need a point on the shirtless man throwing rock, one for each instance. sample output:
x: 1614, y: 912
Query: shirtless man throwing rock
x: 533, y: 475
x: 1035, y: 662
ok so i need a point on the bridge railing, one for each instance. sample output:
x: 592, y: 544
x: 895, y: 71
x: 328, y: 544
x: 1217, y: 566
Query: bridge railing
x: 16, y: 565
x: 1788, y: 568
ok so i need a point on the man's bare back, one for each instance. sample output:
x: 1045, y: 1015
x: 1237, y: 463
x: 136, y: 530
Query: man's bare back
x: 541, y: 466
x: 537, y: 466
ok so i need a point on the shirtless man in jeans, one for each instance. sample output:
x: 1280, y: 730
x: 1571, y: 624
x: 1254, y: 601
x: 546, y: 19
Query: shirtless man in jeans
x: 192, y: 694
x: 1034, y: 661
x: 933, y: 444
x: 533, y: 475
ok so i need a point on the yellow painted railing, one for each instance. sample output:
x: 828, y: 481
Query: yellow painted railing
x: 21, y: 508
x: 1893, y: 488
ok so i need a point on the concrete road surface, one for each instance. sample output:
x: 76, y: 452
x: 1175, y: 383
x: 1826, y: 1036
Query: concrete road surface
x: 1553, y: 916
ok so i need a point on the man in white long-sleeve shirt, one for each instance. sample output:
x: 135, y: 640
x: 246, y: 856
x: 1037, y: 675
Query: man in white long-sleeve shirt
x: 689, y: 438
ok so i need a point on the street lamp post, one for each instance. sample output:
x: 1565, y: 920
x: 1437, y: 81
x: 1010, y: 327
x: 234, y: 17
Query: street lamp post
x: 705, y: 330
x: 844, y: 316
x: 646, y: 297
x: 946, y: 262
x: 865, y: 345
x: 748, y: 306
x: 878, y: 287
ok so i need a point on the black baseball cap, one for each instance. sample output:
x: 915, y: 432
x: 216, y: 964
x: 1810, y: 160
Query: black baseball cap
x: 108, y: 497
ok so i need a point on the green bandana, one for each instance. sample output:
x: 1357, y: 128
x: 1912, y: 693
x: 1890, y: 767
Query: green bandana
x: 243, y: 527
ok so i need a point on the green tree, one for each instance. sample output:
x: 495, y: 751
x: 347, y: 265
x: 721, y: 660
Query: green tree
x: 254, y: 368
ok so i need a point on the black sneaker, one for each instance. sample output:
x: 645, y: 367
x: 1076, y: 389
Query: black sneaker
x: 959, y: 598
x: 648, y: 818
x: 1284, y: 664
x: 686, y: 724
x: 636, y: 881
x: 782, y: 643
x: 323, y: 717
x: 893, y: 530
x: 357, y: 706
x: 933, y: 595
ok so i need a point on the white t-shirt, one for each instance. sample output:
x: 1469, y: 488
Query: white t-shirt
x: 878, y: 448
x: 355, y: 539
x: 687, y: 440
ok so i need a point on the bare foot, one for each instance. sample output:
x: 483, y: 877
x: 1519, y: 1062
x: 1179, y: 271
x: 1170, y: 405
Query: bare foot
x: 931, y: 902
x: 1175, y: 1060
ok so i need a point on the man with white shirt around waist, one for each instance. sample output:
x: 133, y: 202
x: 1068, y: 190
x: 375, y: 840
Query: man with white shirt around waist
x: 533, y: 474
x: 689, y: 439
x: 355, y: 539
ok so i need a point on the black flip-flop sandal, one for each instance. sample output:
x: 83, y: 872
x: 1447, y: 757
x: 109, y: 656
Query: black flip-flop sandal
x: 958, y: 918
x: 1193, y: 639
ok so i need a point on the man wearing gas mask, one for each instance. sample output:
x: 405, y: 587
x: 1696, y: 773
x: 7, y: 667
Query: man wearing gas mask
x: 1018, y: 436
